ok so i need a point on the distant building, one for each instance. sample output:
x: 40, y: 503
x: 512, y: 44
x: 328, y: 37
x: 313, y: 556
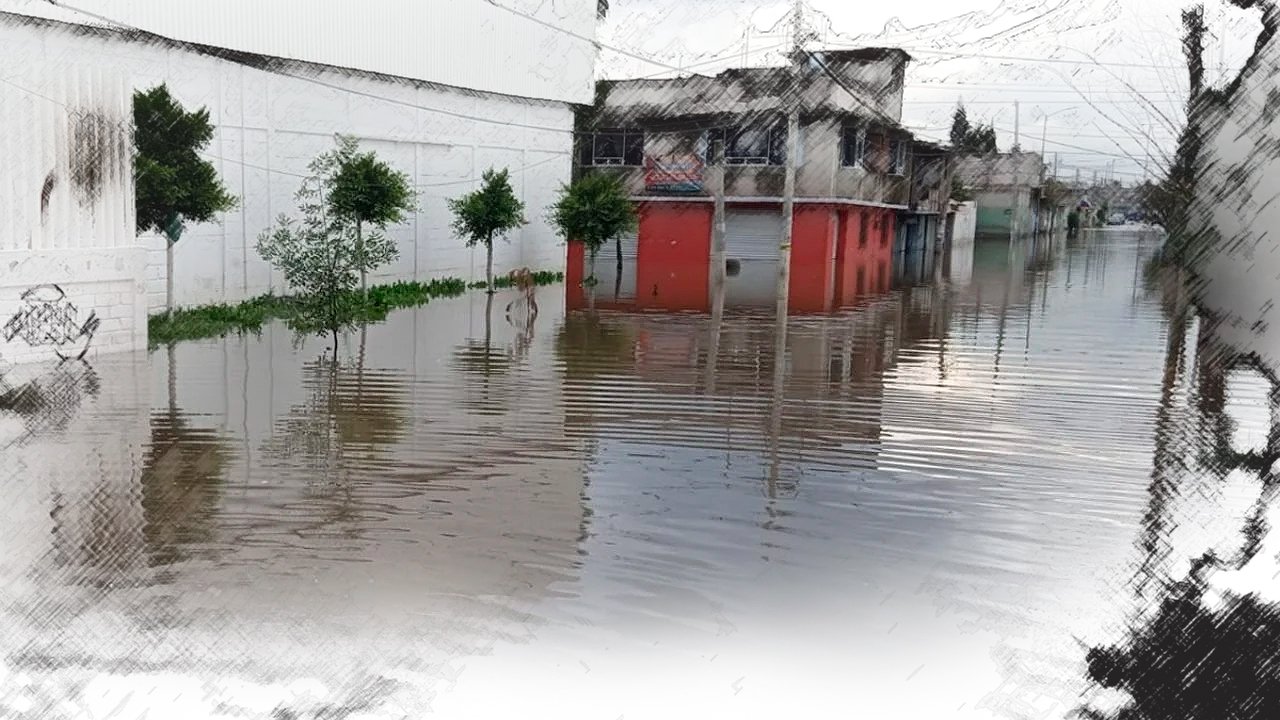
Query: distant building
x: 859, y: 174
x: 1006, y: 188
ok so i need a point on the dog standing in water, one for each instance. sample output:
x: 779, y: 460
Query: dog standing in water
x: 523, y: 281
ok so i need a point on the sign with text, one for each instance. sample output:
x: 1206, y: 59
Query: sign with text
x: 673, y: 173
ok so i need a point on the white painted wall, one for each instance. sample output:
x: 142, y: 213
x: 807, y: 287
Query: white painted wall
x: 465, y: 43
x: 966, y: 223
x: 1235, y: 199
x: 270, y: 126
x: 71, y: 139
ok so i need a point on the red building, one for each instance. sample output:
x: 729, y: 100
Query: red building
x: 857, y: 179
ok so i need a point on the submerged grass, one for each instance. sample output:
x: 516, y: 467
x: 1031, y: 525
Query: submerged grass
x: 209, y: 321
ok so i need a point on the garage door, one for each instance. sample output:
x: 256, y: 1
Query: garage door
x: 606, y: 270
x: 752, y: 234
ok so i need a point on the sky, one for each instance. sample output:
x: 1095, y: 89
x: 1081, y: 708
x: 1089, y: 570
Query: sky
x: 1099, y: 84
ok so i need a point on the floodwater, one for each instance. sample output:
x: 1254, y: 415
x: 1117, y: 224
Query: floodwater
x: 922, y: 510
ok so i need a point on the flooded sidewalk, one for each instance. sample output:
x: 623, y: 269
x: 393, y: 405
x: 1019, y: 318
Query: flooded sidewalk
x: 921, y: 510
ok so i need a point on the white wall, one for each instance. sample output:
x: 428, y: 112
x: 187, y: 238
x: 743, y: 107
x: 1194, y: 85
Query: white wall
x: 1235, y: 198
x: 965, y: 227
x: 465, y: 43
x: 270, y: 126
x: 66, y: 201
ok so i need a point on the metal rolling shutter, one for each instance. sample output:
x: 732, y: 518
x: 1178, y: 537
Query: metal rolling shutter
x: 752, y: 234
x: 607, y: 266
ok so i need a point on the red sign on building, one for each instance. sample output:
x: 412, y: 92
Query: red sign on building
x: 674, y: 174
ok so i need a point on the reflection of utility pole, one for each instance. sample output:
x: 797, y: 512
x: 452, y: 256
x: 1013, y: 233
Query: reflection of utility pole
x: 793, y: 142
x: 779, y: 386
x: 717, y: 262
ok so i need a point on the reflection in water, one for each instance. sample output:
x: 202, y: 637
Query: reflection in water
x: 46, y: 403
x: 1203, y: 637
x: 183, y: 477
x: 920, y: 494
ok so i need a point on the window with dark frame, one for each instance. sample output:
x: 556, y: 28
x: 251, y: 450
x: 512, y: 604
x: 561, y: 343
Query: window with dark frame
x: 617, y: 147
x: 853, y: 146
x: 897, y: 157
x: 754, y: 145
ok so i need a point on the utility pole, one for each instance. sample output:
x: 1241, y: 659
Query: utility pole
x: 716, y: 173
x: 793, y: 141
x: 1017, y: 125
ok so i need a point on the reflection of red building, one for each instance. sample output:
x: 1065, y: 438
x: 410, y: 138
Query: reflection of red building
x: 838, y: 253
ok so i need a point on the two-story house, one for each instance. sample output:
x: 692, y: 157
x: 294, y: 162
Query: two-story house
x: 854, y: 180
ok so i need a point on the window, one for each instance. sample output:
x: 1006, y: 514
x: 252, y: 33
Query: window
x: 617, y: 147
x: 862, y: 281
x: 853, y: 147
x: 886, y: 229
x: 863, y: 231
x: 757, y: 145
x: 897, y: 157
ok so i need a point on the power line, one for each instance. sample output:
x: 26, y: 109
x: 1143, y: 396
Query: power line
x: 1051, y: 61
x: 579, y: 36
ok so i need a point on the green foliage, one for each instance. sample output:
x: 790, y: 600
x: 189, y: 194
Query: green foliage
x: 960, y: 127
x: 173, y: 184
x: 541, y: 277
x: 971, y: 139
x: 593, y: 211
x: 322, y: 257
x: 368, y: 190
x: 492, y: 210
x: 208, y: 321
x: 959, y: 192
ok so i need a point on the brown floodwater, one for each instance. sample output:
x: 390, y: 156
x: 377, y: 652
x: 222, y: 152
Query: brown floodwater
x: 919, y: 510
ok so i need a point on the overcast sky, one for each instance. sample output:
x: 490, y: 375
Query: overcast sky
x: 1115, y: 73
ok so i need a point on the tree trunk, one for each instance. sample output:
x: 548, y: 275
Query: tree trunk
x: 364, y: 288
x: 618, y: 246
x: 488, y: 264
x: 173, y: 382
x: 335, y: 345
x: 168, y: 276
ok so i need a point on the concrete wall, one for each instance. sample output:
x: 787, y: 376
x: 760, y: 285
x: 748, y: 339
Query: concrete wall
x: 1234, y: 207
x: 761, y: 90
x: 1001, y: 170
x: 1005, y: 212
x: 270, y: 125
x: 965, y: 224
x: 820, y: 173
x: 66, y: 204
x: 550, y: 56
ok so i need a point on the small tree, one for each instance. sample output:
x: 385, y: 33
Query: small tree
x: 367, y: 191
x: 174, y: 185
x: 321, y: 257
x: 959, y: 127
x: 593, y: 211
x: 481, y: 215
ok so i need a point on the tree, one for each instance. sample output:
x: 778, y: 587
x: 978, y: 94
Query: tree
x: 174, y: 185
x: 960, y: 127
x: 960, y: 193
x: 321, y: 257
x: 481, y: 215
x: 982, y: 140
x: 593, y: 211
x: 365, y: 190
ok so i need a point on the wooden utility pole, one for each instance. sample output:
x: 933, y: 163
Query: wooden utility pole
x: 793, y: 142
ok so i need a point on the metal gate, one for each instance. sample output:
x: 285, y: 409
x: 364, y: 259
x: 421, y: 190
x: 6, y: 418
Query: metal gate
x: 606, y: 268
x: 752, y: 234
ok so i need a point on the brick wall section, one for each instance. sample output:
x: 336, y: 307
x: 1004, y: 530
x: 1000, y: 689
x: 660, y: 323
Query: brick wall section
x: 109, y: 282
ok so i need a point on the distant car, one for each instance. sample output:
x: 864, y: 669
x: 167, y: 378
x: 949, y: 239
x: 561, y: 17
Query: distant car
x: 1116, y: 219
